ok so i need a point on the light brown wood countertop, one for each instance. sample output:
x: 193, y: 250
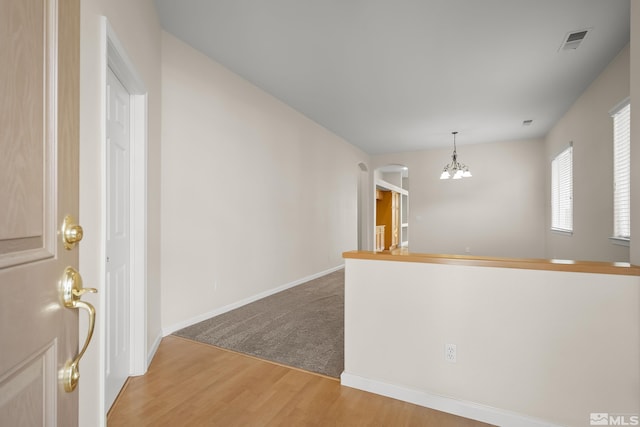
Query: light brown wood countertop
x: 403, y: 255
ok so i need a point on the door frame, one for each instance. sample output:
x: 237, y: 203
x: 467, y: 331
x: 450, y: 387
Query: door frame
x: 116, y: 58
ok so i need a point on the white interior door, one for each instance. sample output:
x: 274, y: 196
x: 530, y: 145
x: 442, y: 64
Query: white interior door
x: 118, y: 277
x: 39, y: 127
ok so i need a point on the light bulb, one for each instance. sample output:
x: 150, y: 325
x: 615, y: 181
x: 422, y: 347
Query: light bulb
x: 445, y: 175
x: 458, y: 174
x: 467, y: 174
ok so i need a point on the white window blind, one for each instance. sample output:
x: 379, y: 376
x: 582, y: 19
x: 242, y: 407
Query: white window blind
x: 562, y: 191
x: 622, y: 172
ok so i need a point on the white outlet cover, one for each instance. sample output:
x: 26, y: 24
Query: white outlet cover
x: 450, y: 353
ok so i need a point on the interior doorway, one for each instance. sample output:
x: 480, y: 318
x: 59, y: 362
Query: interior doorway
x: 125, y: 309
x: 391, y: 208
x: 118, y: 238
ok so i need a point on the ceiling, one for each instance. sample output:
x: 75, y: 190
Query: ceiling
x: 401, y: 75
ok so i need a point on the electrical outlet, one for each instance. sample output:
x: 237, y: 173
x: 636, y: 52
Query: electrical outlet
x: 450, y: 354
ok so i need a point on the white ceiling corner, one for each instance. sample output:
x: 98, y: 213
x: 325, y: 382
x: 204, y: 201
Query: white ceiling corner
x: 391, y: 76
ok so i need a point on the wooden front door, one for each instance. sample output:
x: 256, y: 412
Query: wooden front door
x: 39, y: 127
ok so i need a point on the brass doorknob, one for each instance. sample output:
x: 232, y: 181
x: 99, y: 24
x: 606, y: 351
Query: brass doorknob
x: 71, y: 291
x: 71, y: 232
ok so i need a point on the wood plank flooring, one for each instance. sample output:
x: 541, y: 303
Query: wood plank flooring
x: 194, y: 384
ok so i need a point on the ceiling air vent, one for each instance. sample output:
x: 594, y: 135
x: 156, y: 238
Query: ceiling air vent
x: 573, y: 39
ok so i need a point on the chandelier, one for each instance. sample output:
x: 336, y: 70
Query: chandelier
x: 455, y: 169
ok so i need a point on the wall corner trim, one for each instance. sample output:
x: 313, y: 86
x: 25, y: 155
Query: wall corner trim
x: 450, y: 405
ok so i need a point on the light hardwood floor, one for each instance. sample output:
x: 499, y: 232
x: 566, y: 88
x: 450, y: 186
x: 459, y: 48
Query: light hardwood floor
x: 195, y: 384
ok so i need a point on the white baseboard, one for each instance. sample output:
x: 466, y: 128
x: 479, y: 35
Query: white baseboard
x: 450, y: 405
x: 153, y: 349
x: 218, y: 311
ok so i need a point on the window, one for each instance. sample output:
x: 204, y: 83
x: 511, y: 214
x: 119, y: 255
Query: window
x: 622, y: 171
x: 562, y: 191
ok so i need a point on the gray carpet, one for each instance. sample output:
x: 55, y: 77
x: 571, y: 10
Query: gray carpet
x: 301, y: 327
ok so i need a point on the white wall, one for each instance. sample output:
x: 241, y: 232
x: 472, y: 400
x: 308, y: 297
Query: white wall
x: 365, y: 213
x: 635, y: 131
x: 548, y: 345
x: 504, y: 209
x: 136, y: 25
x: 590, y: 127
x: 497, y: 212
x: 254, y: 194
